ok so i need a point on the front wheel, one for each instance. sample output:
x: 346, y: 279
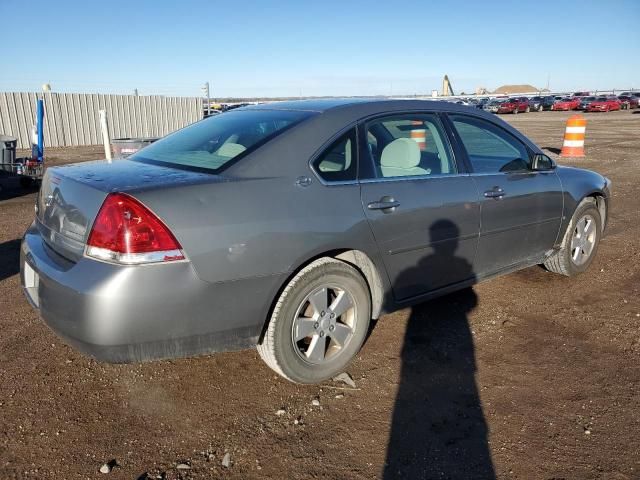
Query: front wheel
x: 580, y: 241
x: 319, y: 322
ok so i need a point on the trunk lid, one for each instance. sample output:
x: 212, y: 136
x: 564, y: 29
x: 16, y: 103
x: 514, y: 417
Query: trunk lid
x: 71, y: 196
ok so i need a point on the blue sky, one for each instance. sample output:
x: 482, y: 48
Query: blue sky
x: 326, y: 47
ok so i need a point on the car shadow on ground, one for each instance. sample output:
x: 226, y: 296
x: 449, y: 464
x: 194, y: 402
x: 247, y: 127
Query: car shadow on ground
x: 9, y: 258
x: 552, y: 150
x: 438, y: 428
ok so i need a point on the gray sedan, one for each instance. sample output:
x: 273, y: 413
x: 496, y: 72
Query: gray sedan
x: 291, y: 225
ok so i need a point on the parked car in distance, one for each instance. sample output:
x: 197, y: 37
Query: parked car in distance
x: 628, y: 102
x: 604, y: 104
x: 585, y: 102
x: 482, y: 102
x: 536, y: 104
x: 580, y: 94
x: 522, y: 103
x: 501, y: 105
x: 270, y: 226
x: 567, y: 103
x: 548, y: 102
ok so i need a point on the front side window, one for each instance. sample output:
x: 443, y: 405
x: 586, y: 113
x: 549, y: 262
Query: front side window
x: 490, y: 149
x: 337, y: 163
x: 408, y: 145
x: 212, y: 144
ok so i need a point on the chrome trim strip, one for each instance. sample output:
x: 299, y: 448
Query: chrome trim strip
x: 414, y: 178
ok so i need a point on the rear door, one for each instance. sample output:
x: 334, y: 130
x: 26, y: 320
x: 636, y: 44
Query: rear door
x: 421, y: 205
x: 521, y: 209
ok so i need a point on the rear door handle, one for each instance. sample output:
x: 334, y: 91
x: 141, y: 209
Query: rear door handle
x: 387, y: 204
x: 495, y: 192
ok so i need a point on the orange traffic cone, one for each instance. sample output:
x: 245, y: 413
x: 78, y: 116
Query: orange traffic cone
x: 573, y: 145
x: 419, y: 135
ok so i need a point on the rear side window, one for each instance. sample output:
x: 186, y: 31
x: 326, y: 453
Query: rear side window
x: 338, y: 162
x: 490, y: 149
x: 408, y: 145
x: 214, y: 143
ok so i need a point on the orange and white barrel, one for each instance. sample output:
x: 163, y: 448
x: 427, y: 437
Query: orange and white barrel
x: 573, y: 145
x: 419, y: 135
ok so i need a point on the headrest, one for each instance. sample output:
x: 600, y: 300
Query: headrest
x: 230, y: 149
x: 401, y: 153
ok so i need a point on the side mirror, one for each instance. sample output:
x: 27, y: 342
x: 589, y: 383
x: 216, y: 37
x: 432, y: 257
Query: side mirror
x: 541, y: 162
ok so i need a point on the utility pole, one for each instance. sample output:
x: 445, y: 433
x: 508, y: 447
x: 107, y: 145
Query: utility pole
x: 205, y: 91
x: 135, y: 92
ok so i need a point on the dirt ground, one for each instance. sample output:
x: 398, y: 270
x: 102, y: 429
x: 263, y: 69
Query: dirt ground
x: 528, y: 376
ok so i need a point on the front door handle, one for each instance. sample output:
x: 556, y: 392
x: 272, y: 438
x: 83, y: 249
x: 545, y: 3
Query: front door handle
x: 387, y: 204
x: 495, y: 192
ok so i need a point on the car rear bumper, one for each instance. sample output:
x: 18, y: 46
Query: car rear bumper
x: 135, y: 313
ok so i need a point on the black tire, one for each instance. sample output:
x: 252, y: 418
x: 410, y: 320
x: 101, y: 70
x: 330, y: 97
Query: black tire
x: 540, y: 108
x: 562, y: 261
x: 279, y: 349
x: 515, y: 112
x: 527, y: 110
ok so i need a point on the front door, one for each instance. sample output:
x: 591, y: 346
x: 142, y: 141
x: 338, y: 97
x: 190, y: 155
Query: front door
x: 423, y: 210
x: 521, y: 209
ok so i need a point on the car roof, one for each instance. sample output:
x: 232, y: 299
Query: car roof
x: 313, y: 105
x: 322, y: 105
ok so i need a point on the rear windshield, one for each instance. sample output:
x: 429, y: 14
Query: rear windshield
x: 214, y: 143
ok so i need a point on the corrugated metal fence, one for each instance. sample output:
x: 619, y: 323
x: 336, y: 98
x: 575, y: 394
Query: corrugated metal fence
x: 72, y: 118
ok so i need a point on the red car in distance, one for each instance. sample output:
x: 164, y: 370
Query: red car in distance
x: 628, y: 102
x: 522, y: 103
x: 567, y: 103
x: 604, y: 104
x: 501, y: 105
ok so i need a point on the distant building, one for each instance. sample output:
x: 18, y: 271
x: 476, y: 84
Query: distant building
x: 510, y: 89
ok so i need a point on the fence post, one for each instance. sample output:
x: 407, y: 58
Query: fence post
x: 105, y: 134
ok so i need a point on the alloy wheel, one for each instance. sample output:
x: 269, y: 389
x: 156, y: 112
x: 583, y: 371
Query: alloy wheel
x: 583, y: 239
x: 324, y: 324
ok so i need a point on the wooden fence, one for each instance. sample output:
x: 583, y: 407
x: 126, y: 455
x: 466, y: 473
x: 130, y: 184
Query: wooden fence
x: 71, y: 119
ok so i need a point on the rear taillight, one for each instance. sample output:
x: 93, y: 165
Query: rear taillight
x: 125, y: 231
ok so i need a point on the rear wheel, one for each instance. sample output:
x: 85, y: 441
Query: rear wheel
x: 580, y: 241
x: 319, y: 322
